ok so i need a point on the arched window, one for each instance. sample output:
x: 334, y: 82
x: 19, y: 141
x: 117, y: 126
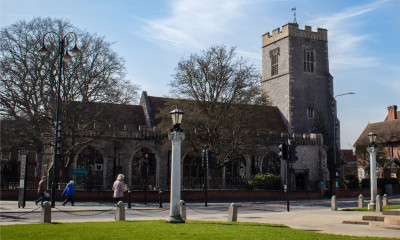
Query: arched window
x: 309, y: 61
x: 144, y: 166
x: 271, y: 164
x: 92, y: 160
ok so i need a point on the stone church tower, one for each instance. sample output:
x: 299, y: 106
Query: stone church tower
x: 295, y: 76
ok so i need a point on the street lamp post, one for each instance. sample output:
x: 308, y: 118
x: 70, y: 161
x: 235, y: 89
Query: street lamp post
x: 146, y: 177
x: 334, y: 134
x: 176, y: 135
x: 372, y: 149
x: 63, y: 52
x: 204, y: 158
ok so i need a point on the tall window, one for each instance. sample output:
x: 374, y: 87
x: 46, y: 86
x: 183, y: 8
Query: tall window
x: 274, y: 61
x: 309, y: 60
x: 310, y: 112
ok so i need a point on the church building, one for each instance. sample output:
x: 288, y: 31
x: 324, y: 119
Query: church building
x: 116, y: 138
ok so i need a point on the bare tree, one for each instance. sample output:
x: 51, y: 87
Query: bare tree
x: 227, y: 110
x: 28, y: 81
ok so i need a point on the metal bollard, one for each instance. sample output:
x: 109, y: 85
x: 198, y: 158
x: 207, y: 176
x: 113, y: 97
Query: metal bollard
x: 233, y: 211
x: 46, y: 213
x: 159, y: 198
x: 183, y: 209
x: 129, y: 198
x: 334, y: 203
x: 360, y: 201
x: 385, y: 200
x: 378, y: 203
x: 120, y: 211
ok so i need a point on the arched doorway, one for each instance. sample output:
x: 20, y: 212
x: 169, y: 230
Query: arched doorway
x: 90, y: 161
x: 271, y: 163
x: 235, y: 173
x: 144, y: 167
x: 192, y: 172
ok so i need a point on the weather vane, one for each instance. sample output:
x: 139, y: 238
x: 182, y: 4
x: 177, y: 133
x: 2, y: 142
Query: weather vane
x: 294, y: 14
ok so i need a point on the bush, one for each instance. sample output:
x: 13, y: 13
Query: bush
x: 267, y: 181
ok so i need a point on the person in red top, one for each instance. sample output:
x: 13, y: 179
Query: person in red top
x: 119, y: 188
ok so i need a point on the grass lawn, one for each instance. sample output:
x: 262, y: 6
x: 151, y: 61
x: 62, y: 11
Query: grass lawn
x: 160, y: 230
x: 387, y: 207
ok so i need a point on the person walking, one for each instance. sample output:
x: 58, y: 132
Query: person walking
x: 42, y: 187
x: 119, y: 188
x: 69, y: 191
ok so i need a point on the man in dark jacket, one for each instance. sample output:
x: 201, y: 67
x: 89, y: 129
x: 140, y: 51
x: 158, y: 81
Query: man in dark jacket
x: 69, y: 191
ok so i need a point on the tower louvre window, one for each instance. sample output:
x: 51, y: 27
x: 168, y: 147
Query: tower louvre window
x: 274, y: 61
x: 308, y: 59
x: 310, y: 113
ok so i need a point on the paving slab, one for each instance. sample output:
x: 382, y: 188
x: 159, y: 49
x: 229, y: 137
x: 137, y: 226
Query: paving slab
x: 309, y: 215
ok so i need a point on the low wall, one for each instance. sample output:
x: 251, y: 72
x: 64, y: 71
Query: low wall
x: 188, y: 196
x: 351, y: 193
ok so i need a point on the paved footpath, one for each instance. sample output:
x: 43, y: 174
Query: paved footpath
x: 309, y: 215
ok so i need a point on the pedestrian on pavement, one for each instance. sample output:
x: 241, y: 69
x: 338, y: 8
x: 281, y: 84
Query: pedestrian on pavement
x: 69, y: 191
x: 42, y: 187
x: 119, y: 188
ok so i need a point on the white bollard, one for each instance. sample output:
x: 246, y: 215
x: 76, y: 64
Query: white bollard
x: 120, y: 211
x: 360, y: 201
x: 385, y: 200
x: 233, y: 211
x: 378, y: 204
x: 333, y: 203
x: 46, y: 213
x: 183, y: 209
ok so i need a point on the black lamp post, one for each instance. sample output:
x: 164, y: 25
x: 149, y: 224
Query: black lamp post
x: 63, y: 52
x: 204, y: 160
x: 159, y: 197
x: 146, y: 165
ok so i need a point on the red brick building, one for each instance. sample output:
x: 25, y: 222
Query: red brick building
x: 388, y: 141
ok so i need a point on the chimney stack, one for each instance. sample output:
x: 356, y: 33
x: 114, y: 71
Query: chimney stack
x: 392, y: 112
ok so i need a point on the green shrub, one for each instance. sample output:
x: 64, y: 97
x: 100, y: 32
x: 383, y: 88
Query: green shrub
x: 267, y: 181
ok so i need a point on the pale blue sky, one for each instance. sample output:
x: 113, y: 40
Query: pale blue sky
x: 153, y: 35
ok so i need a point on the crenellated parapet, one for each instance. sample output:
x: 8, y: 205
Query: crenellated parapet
x: 314, y: 139
x: 292, y: 29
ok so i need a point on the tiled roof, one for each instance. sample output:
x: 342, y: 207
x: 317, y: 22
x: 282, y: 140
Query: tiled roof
x: 387, y: 131
x: 118, y: 115
x: 158, y: 104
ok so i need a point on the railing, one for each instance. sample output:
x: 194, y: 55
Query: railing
x: 187, y: 184
x: 214, y: 183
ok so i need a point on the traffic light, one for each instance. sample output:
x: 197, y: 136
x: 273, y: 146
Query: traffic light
x: 292, y: 150
x: 283, y: 151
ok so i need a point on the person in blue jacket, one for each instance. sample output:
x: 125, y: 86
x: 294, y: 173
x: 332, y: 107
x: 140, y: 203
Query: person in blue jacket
x: 69, y: 191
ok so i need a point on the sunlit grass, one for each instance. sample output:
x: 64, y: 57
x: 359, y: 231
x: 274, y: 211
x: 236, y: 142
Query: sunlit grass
x: 160, y: 230
x: 387, y: 207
